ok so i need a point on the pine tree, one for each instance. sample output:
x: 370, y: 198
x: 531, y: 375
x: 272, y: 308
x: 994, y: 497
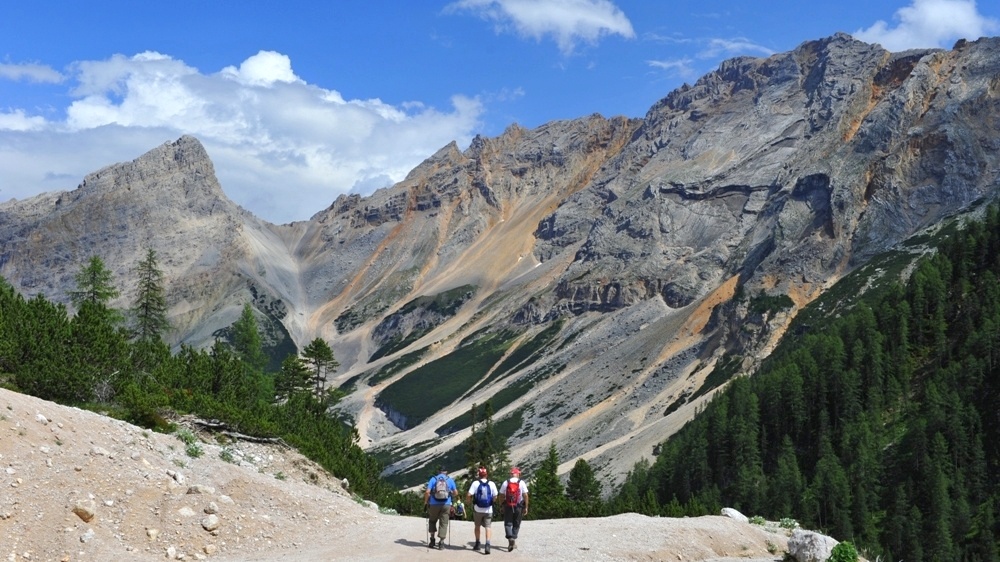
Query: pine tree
x: 583, y: 490
x: 293, y: 378
x: 319, y: 356
x: 547, y: 500
x: 97, y: 353
x: 150, y: 307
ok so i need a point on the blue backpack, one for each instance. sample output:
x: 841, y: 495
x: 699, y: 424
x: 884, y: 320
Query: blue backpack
x: 484, y: 494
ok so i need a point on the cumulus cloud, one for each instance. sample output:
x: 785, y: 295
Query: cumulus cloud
x: 930, y: 23
x: 17, y: 120
x: 269, y: 133
x: 30, y: 72
x: 567, y: 21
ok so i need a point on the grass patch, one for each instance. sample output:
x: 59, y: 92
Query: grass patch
x: 763, y: 303
x: 390, y: 369
x: 525, y: 354
x: 454, y: 458
x: 387, y: 456
x: 501, y: 398
x: 720, y: 375
x: 433, y: 386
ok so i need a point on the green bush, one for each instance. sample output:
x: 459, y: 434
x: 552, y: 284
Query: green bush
x: 843, y: 552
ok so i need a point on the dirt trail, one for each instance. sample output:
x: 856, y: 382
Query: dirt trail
x: 144, y: 498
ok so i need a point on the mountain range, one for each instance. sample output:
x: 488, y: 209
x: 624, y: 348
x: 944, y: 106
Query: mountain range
x: 596, y: 279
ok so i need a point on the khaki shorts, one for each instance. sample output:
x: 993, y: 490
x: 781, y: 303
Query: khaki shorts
x: 482, y: 519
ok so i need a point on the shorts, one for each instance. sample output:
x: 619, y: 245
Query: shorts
x: 482, y: 519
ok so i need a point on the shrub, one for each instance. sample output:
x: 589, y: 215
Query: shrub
x: 843, y: 552
x: 788, y: 523
x: 191, y: 446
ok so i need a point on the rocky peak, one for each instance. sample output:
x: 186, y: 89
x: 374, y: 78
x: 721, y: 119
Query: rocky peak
x: 182, y: 165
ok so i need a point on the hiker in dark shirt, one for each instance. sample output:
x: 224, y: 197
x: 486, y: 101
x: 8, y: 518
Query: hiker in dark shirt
x: 514, y: 499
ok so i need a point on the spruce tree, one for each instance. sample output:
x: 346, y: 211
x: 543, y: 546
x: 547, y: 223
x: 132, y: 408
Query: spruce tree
x: 583, y: 490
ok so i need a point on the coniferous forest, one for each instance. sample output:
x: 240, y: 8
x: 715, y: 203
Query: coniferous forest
x: 116, y: 362
x: 880, y: 425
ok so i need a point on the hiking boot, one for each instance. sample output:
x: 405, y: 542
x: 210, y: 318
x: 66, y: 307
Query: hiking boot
x: 511, y: 545
x: 487, y: 550
x: 440, y: 545
x: 477, y: 546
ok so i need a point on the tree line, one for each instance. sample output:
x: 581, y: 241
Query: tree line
x: 882, y: 427
x: 116, y: 361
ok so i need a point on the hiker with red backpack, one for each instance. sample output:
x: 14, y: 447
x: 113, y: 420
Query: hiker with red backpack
x: 514, y: 498
x: 482, y: 494
x: 437, y: 501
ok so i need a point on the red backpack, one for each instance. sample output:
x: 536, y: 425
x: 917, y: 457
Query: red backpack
x: 512, y: 496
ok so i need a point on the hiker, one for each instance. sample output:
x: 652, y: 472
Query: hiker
x: 514, y: 498
x: 482, y: 494
x: 437, y: 501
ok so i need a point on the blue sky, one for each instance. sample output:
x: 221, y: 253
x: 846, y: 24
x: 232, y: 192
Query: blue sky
x: 298, y: 102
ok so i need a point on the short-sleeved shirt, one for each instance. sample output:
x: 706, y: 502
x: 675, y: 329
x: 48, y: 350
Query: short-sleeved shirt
x: 522, y: 487
x: 475, y: 488
x: 452, y: 489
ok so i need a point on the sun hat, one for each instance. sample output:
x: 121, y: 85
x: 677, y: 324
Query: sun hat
x: 516, y: 471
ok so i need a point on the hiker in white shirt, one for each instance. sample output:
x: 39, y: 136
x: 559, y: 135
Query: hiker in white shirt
x: 482, y: 494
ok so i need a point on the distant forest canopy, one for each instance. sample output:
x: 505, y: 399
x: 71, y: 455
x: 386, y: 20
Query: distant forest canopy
x: 880, y: 426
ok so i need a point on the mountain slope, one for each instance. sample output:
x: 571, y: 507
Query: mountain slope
x: 596, y: 277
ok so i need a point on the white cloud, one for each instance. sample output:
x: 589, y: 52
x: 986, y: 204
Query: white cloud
x: 567, y: 21
x: 733, y: 47
x: 712, y: 49
x: 30, y: 72
x: 16, y: 120
x: 682, y: 68
x: 930, y: 23
x: 269, y: 133
x: 263, y: 69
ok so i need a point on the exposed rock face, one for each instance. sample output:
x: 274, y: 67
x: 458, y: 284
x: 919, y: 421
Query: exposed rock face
x: 634, y: 239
